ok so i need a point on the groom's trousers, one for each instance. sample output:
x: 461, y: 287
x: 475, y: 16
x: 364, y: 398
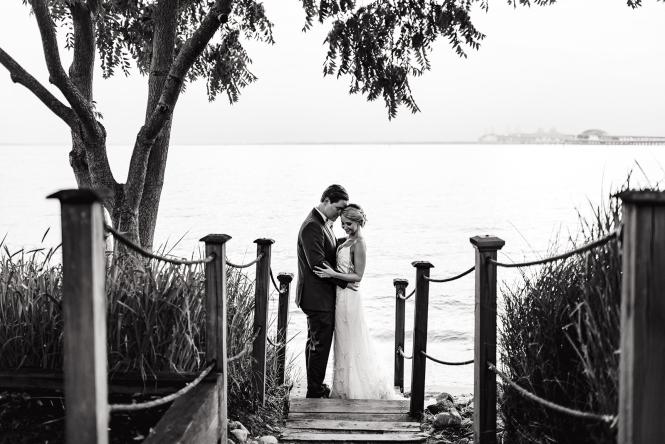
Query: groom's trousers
x: 320, y: 328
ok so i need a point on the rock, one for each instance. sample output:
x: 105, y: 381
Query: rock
x: 447, y: 419
x: 240, y: 435
x: 442, y: 405
x: 445, y: 396
x: 267, y: 440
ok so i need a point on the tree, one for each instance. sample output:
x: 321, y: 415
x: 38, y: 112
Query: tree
x: 379, y: 45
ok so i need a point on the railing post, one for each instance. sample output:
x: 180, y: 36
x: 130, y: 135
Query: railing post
x: 84, y: 316
x: 419, y: 338
x: 642, y: 358
x: 400, y: 293
x: 484, y: 390
x: 216, y: 334
x: 262, y: 287
x: 282, y: 323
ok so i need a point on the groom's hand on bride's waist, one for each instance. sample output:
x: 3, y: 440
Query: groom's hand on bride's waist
x: 353, y: 286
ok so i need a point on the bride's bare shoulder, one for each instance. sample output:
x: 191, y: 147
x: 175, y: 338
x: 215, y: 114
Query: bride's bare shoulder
x: 359, y: 244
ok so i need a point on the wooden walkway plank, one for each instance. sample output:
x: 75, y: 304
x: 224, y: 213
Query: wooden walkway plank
x: 364, y: 426
x: 352, y: 416
x: 336, y: 438
x: 350, y: 420
x: 345, y: 405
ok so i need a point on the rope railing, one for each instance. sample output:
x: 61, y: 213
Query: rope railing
x: 274, y: 282
x: 404, y: 298
x: 243, y: 352
x: 249, y: 264
x: 132, y: 246
x: 165, y: 399
x: 401, y: 353
x: 439, y: 361
x: 276, y: 345
x: 450, y: 279
x: 609, y: 419
x: 599, y: 242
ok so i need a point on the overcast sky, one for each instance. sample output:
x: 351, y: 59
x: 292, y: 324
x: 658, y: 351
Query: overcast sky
x: 576, y: 65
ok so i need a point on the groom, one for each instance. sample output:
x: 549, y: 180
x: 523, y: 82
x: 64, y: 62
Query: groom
x: 315, y: 296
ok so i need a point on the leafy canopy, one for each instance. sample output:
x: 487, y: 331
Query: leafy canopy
x: 379, y: 45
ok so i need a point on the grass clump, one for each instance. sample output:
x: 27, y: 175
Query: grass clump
x: 559, y: 340
x: 155, y: 323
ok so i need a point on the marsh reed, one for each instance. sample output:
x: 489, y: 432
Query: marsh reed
x: 560, y: 339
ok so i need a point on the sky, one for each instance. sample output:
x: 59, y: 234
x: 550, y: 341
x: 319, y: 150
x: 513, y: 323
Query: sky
x: 576, y: 65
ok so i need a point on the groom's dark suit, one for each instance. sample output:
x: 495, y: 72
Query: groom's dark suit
x: 316, y: 296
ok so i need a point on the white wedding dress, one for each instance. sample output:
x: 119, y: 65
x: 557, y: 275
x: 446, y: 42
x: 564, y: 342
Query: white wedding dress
x: 356, y: 374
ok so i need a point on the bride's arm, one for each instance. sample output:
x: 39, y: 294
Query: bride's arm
x: 359, y: 251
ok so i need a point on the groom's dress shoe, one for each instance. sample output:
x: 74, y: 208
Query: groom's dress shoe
x: 323, y: 392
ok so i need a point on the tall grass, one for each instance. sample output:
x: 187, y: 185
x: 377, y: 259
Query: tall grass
x: 560, y: 337
x: 155, y: 321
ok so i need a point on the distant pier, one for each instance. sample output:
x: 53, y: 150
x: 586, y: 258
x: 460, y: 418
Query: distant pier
x: 588, y: 137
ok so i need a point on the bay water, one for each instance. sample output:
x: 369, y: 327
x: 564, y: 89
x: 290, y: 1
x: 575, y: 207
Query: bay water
x: 423, y: 202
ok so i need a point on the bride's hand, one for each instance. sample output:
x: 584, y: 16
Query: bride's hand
x: 324, y: 272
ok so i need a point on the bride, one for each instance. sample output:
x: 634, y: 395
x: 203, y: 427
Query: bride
x: 356, y: 374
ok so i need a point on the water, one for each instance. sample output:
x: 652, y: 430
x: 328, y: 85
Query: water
x: 422, y: 202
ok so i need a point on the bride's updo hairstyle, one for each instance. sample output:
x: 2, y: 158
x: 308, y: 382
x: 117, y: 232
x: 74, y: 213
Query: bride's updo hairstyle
x: 354, y: 213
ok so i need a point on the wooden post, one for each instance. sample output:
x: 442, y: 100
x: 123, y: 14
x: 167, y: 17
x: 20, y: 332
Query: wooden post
x: 216, y: 334
x: 84, y: 316
x: 484, y: 390
x: 261, y: 316
x: 642, y: 359
x: 282, y: 323
x: 419, y: 339
x: 400, y: 292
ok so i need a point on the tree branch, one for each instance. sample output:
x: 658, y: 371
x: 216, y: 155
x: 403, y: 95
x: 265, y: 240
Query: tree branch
x: 81, y: 76
x: 22, y: 77
x: 190, y: 51
x: 57, y: 76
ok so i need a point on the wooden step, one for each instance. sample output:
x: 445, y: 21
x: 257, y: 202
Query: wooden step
x: 346, y: 405
x: 331, y: 425
x: 352, y: 416
x: 290, y: 436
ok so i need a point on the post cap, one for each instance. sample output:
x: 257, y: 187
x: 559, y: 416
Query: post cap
x: 285, y: 277
x: 215, y: 238
x: 487, y: 243
x: 643, y: 198
x: 399, y: 281
x: 422, y: 264
x: 76, y: 196
x: 263, y: 241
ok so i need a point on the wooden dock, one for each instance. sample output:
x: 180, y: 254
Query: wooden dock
x: 350, y: 420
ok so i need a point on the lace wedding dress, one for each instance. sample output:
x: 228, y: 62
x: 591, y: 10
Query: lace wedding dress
x: 356, y: 374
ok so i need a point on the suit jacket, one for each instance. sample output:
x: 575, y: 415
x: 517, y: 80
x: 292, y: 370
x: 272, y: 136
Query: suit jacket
x: 315, y: 248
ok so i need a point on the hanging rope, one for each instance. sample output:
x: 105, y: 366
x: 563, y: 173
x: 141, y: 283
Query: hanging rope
x: 242, y: 353
x: 132, y: 246
x: 609, y: 419
x: 603, y: 240
x: 231, y: 264
x: 454, y: 278
x: 274, y: 283
x: 404, y: 298
x: 401, y: 353
x: 280, y: 345
x: 165, y: 399
x: 445, y: 362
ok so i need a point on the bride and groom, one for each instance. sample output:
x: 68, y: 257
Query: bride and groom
x: 329, y: 271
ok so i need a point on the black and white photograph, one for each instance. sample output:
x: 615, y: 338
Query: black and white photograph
x: 332, y: 221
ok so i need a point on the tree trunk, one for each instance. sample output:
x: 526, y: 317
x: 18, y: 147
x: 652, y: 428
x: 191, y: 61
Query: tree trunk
x: 163, y: 47
x: 152, y: 190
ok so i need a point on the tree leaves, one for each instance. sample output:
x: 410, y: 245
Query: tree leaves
x: 382, y: 45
